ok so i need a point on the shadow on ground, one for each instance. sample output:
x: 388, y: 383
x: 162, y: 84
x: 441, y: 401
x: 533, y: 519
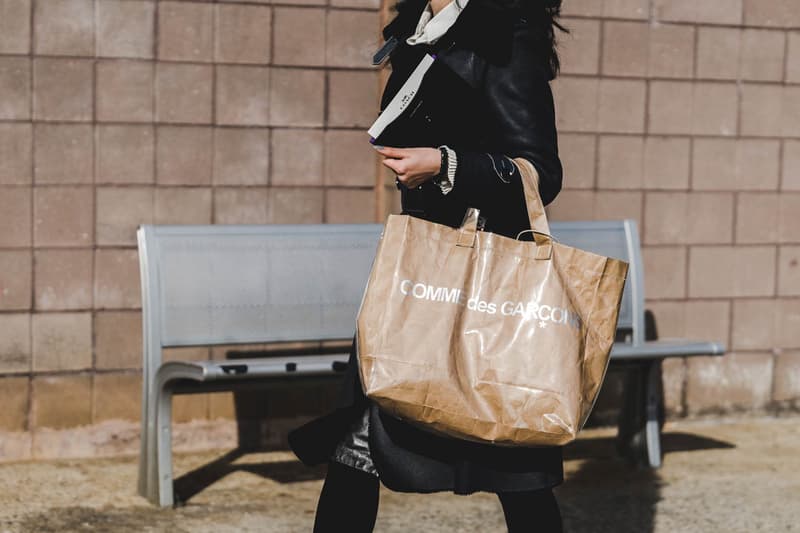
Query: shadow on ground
x: 706, y: 485
x: 607, y: 493
x: 602, y: 489
x: 605, y: 447
x: 194, y: 482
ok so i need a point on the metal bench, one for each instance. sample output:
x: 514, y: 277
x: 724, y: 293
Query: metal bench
x: 226, y: 285
x: 223, y: 285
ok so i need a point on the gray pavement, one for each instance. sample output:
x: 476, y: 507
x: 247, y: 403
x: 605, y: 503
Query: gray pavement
x: 719, y: 476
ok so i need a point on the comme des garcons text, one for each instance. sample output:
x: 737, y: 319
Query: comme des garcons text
x: 531, y: 310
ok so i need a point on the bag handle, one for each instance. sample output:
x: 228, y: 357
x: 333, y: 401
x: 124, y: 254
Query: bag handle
x: 530, y: 183
x: 536, y: 214
x: 469, y: 228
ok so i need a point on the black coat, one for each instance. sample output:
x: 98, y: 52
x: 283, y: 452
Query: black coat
x: 495, y: 52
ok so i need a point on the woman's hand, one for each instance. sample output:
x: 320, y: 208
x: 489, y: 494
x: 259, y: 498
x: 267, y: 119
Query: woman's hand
x: 413, y: 166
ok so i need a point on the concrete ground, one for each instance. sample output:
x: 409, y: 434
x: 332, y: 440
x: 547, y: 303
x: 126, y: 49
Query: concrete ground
x: 718, y: 476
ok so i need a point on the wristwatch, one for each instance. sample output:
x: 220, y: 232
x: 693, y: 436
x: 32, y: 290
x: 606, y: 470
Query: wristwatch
x: 442, y: 175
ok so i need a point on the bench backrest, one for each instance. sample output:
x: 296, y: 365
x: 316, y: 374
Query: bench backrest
x: 229, y: 284
x: 618, y: 239
x: 218, y: 284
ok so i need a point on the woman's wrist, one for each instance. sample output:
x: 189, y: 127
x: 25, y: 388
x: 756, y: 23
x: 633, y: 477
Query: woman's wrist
x: 447, y: 173
x: 433, y: 162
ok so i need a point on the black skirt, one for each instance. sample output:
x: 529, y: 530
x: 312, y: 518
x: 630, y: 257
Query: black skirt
x: 409, y: 459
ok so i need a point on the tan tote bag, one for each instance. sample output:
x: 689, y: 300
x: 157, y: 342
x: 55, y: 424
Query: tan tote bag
x: 485, y: 338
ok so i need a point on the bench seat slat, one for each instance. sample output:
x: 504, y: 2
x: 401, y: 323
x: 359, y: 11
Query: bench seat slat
x: 323, y: 364
x: 666, y: 348
x: 250, y: 368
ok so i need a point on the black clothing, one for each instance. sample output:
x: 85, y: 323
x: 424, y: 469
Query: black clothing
x: 493, y: 51
x: 496, y: 54
x: 349, y: 502
x: 410, y: 459
x: 531, y: 512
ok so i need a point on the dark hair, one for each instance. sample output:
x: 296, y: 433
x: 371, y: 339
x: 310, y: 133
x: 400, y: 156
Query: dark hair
x: 543, y: 17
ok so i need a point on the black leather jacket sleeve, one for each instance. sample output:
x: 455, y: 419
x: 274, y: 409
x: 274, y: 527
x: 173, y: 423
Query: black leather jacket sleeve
x: 520, y: 102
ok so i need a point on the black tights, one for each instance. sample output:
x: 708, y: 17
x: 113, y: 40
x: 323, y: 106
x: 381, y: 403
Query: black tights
x: 349, y: 502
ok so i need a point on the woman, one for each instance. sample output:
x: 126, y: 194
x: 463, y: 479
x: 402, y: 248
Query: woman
x: 505, y: 50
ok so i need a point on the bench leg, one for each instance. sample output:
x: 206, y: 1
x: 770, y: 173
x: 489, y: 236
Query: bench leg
x: 144, y: 458
x: 147, y: 447
x: 653, y: 413
x: 163, y: 444
x: 148, y: 455
x: 640, y: 420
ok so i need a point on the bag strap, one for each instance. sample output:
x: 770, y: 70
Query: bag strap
x: 536, y: 213
x: 530, y: 183
x: 469, y: 228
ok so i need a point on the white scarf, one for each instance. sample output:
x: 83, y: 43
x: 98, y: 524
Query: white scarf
x: 431, y: 27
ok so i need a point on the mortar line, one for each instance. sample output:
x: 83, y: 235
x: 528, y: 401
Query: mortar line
x: 596, y: 177
x: 213, y: 118
x: 93, y: 269
x: 270, y: 129
x: 676, y: 22
x: 324, y: 128
x: 28, y: 424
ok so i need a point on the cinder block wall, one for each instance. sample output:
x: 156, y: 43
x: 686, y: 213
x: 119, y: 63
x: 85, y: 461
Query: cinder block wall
x: 115, y: 113
x: 681, y: 114
x: 685, y: 115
